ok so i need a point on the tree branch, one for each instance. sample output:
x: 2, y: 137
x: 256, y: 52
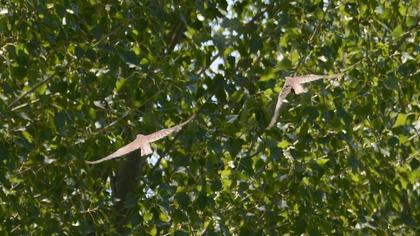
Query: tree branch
x: 125, y: 183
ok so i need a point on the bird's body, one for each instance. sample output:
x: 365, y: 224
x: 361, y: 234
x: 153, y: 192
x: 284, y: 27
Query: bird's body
x: 142, y: 142
x: 295, y: 83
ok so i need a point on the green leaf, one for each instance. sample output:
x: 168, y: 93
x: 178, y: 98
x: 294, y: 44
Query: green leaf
x: 391, y: 83
x: 256, y: 44
x: 294, y: 57
x: 401, y: 120
x: 119, y: 84
x: 322, y: 161
x: 268, y: 75
x: 283, y: 144
x: 397, y: 32
x: 41, y: 89
x: 27, y: 136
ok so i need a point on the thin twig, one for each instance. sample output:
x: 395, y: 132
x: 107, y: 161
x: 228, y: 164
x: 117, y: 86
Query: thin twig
x: 115, y: 31
x: 29, y: 91
x: 119, y: 119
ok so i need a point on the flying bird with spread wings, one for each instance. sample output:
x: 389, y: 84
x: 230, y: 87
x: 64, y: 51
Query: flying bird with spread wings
x: 143, y: 142
x: 295, y: 83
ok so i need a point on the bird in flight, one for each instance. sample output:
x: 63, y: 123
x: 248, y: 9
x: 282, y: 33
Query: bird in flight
x: 295, y: 83
x: 143, y: 142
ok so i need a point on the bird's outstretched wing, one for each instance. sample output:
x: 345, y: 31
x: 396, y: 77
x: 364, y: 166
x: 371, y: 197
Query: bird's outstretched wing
x: 142, y: 141
x: 295, y: 83
x: 120, y: 152
x: 309, y: 78
x: 165, y: 132
x: 282, y: 95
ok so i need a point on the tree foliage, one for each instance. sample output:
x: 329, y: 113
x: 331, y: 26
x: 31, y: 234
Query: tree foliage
x: 79, y: 79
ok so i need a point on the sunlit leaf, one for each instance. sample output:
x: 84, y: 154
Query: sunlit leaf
x: 401, y: 120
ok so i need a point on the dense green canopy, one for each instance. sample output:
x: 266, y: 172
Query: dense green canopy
x: 79, y: 79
